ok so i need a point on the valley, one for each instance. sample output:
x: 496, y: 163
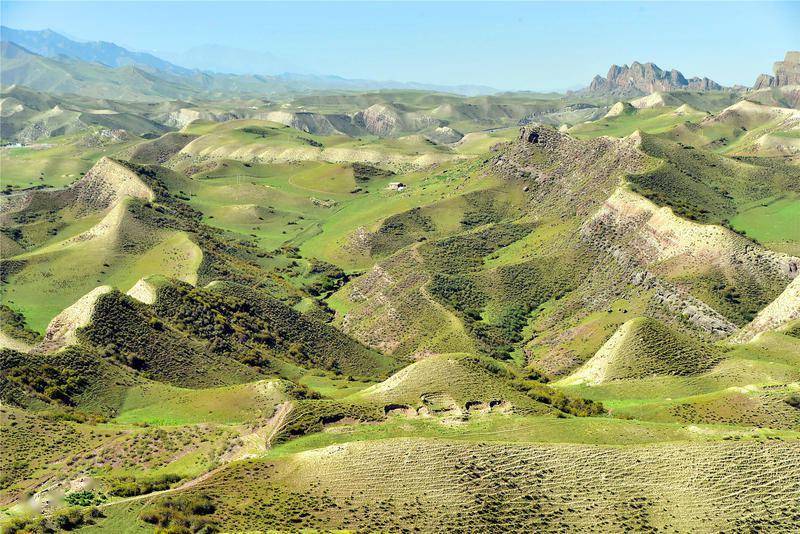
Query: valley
x: 397, y: 309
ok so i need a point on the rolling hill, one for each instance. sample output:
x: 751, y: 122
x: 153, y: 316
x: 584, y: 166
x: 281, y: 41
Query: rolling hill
x: 397, y: 310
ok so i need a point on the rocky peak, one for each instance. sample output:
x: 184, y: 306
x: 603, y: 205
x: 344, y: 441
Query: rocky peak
x: 645, y: 78
x: 786, y: 72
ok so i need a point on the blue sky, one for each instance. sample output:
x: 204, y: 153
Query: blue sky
x: 535, y: 46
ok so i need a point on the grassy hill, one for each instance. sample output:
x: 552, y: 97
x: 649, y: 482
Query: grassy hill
x: 334, y: 313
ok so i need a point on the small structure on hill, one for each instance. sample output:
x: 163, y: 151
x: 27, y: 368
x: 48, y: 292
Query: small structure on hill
x: 396, y: 186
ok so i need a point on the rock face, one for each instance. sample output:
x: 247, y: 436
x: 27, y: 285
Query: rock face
x: 645, y: 78
x: 385, y: 120
x: 786, y: 72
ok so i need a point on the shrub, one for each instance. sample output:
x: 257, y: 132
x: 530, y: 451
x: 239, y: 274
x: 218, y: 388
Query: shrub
x: 131, y: 486
x: 188, y: 513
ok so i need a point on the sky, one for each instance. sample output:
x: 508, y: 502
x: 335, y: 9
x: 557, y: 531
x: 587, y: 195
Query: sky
x: 510, y: 46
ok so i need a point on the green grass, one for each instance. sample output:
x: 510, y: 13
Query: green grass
x: 770, y: 221
x: 521, y: 429
x: 57, y: 275
x: 59, y: 162
x: 765, y: 366
x: 158, y: 404
x: 333, y: 387
x: 652, y: 121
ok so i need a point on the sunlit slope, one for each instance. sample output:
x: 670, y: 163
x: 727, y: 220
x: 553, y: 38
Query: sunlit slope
x: 432, y: 484
x: 263, y: 141
x: 102, y: 243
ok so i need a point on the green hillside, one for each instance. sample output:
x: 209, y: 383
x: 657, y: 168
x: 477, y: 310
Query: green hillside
x: 240, y: 303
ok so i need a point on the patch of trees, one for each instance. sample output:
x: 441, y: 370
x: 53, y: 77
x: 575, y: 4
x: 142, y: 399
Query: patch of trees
x: 66, y: 519
x: 327, y: 278
x: 9, y: 268
x: 131, y: 486
x: 185, y: 513
x: 57, y: 378
x: 465, y: 252
x: 311, y: 142
x: 260, y: 131
x: 14, y: 324
x: 364, y: 173
x: 546, y: 395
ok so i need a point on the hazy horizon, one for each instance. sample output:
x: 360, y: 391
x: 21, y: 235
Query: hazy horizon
x: 508, y: 46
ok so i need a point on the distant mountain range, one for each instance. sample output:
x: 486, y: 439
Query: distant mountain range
x: 646, y: 78
x: 51, y: 44
x: 48, y: 61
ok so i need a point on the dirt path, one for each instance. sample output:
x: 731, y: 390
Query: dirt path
x: 278, y: 421
x: 275, y: 424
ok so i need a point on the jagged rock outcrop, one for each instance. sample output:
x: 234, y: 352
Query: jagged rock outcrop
x: 786, y: 72
x: 764, y: 81
x: 645, y: 78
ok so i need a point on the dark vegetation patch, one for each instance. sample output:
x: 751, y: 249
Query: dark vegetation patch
x: 83, y: 498
x: 9, y: 268
x: 401, y: 230
x: 309, y: 416
x: 703, y: 186
x: 517, y: 290
x: 130, y: 486
x: 793, y: 329
x: 326, y: 278
x: 191, y: 513
x: 311, y: 142
x: 14, y: 324
x: 459, y: 292
x: 483, y: 208
x: 260, y: 131
x: 129, y: 333
x: 363, y: 173
x: 535, y: 389
x: 62, y: 520
x: 547, y: 395
x: 738, y: 299
x: 465, y: 252
x: 64, y: 379
x: 243, y: 321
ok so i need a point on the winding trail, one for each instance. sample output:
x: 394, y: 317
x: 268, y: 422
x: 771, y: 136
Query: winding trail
x: 276, y: 423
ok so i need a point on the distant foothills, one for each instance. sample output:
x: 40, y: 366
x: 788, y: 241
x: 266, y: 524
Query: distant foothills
x: 48, y: 61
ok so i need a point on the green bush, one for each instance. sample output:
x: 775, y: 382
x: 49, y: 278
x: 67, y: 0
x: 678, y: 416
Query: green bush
x: 187, y: 513
x: 132, y: 486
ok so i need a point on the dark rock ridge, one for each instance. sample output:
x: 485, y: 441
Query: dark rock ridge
x: 646, y: 78
x: 786, y: 72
